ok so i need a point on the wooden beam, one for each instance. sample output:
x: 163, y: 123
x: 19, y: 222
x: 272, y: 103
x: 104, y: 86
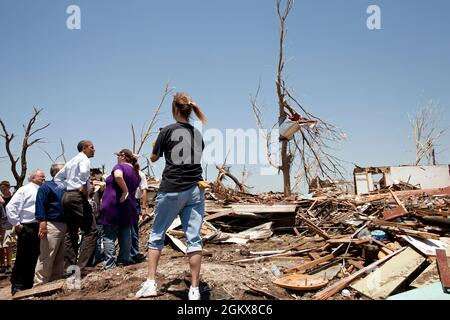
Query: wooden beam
x: 218, y: 215
x: 357, y: 264
x: 391, y: 214
x: 347, y: 240
x: 401, y: 194
x: 309, y: 265
x: 397, y: 200
x: 48, y: 288
x: 444, y: 272
x: 279, y: 208
x: 409, y: 232
x: 400, y: 211
x: 315, y: 228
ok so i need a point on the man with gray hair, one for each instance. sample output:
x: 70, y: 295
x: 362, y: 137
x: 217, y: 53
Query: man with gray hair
x: 52, y: 230
x: 75, y: 178
x: 21, y: 214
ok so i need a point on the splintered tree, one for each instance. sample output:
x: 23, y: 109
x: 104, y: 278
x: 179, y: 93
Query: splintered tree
x: 426, y: 133
x: 62, y: 155
x: 30, y: 129
x: 139, y: 142
x: 308, y: 150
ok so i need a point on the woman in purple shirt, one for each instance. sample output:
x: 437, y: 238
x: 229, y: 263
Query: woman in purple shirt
x: 118, y: 208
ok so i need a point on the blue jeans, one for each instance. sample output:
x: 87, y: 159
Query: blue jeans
x: 135, y: 233
x: 99, y: 253
x: 110, y: 234
x: 190, y: 205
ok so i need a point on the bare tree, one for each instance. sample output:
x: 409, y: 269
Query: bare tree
x: 426, y: 133
x: 29, y: 131
x: 61, y: 155
x: 309, y: 149
x: 139, y: 144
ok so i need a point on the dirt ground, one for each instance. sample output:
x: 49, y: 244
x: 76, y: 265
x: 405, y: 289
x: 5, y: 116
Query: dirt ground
x: 220, y: 278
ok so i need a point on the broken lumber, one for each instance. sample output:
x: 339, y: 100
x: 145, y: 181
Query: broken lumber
x: 48, y: 288
x: 444, y: 272
x: 178, y: 243
x: 382, y: 282
x: 409, y: 232
x: 400, y: 211
x: 315, y: 228
x: 279, y: 208
x: 401, y: 194
x: 309, y: 265
x: 347, y: 240
x: 332, y: 290
x: 218, y: 215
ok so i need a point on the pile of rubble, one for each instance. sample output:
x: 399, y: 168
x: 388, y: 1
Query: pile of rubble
x: 327, y: 244
x: 342, y: 238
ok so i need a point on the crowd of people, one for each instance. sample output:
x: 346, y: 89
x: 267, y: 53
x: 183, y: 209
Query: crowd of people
x: 61, y: 223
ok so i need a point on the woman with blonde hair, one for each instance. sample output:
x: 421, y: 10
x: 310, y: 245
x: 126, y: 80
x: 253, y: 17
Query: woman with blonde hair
x: 179, y: 193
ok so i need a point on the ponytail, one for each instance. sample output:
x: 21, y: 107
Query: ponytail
x: 135, y: 164
x: 184, y: 104
x: 198, y: 112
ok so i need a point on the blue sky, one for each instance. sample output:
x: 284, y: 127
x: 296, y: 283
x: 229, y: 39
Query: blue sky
x: 94, y: 82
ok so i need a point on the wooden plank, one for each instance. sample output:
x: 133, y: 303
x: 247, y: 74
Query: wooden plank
x: 383, y: 281
x: 347, y: 240
x: 427, y: 247
x: 444, y: 272
x: 48, y: 288
x: 338, y: 286
x: 309, y: 265
x: 315, y: 228
x: 313, y: 255
x: 400, y: 194
x: 409, y: 232
x: 357, y: 264
x: 428, y: 212
x: 438, y: 219
x: 391, y: 214
x: 279, y: 208
x: 397, y: 200
x: 177, y: 242
x: 218, y: 215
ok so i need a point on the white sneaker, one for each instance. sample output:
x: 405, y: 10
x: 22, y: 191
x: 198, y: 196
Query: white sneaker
x: 148, y: 289
x: 194, y: 293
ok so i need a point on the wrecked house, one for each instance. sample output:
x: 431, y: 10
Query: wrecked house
x: 342, y: 186
x: 414, y: 177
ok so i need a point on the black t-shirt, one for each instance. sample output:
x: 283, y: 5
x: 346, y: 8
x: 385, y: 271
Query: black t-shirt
x: 182, y: 146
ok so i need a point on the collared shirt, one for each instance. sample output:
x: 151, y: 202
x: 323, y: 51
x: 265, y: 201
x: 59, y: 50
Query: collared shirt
x: 49, y: 203
x: 142, y: 186
x: 21, y: 207
x: 75, y: 173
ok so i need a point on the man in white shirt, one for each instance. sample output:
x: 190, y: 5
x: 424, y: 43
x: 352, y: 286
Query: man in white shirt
x: 75, y: 178
x: 141, y: 205
x: 21, y: 214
